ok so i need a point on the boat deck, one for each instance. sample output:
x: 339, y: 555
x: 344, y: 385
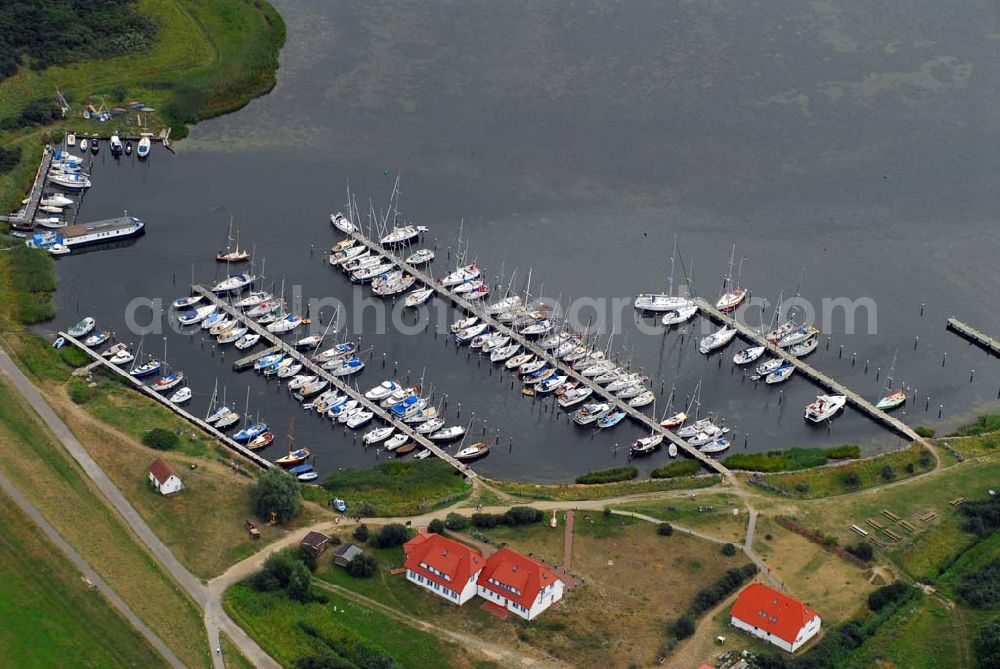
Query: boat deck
x: 974, y: 335
x: 479, y: 309
x: 216, y: 434
x: 819, y: 378
x: 336, y: 382
x: 248, y: 361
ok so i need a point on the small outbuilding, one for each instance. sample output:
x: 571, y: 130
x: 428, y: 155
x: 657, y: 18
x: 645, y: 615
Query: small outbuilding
x: 315, y: 542
x: 346, y: 553
x: 164, y: 478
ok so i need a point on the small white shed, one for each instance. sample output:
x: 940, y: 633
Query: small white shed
x: 163, y: 477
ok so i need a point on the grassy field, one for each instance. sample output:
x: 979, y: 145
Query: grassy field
x: 612, y: 619
x: 276, y: 622
x: 828, y: 481
x: 53, y: 482
x: 924, y: 634
x: 203, y: 524
x: 209, y: 57
x: 51, y: 617
x: 394, y: 488
x: 712, y: 514
x: 575, y: 493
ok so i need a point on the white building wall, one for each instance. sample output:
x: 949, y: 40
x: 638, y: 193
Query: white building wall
x: 542, y: 601
x: 467, y: 592
x: 808, y: 631
x: 171, y: 485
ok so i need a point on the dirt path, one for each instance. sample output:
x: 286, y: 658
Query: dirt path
x: 685, y: 655
x: 568, y: 542
x: 92, y: 576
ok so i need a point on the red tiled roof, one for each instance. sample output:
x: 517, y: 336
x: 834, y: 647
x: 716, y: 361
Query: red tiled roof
x: 783, y: 616
x: 449, y: 557
x: 519, y: 572
x: 161, y: 470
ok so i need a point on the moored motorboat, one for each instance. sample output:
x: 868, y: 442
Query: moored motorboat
x: 181, y: 396
x: 97, y: 339
x: 82, y: 328
x: 342, y: 223
x: 610, y: 419
x: 420, y: 257
x: 142, y: 150
x: 646, y: 445
x: 747, y: 355
x: 825, y: 407
x: 378, y: 434
x: 590, y: 413
x: 247, y: 341
x: 447, y: 434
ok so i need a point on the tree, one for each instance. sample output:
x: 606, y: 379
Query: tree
x: 276, y: 491
x: 362, y: 566
x: 456, y: 522
x: 987, y: 645
x: 861, y: 550
x: 276, y: 571
x: 390, y: 536
x: 325, y: 661
x: 308, y: 557
x: 683, y: 627
x: 728, y: 550
x: 361, y: 533
x: 436, y: 526
x: 299, y: 582
x: 665, y: 529
x: 160, y: 439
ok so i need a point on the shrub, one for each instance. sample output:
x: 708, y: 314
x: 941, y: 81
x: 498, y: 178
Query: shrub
x: 608, y: 475
x: 276, y: 491
x: 436, y: 526
x: 987, y: 645
x: 390, y: 536
x: 284, y: 570
x: 924, y: 431
x: 888, y: 473
x: 888, y: 594
x: 910, y: 468
x: 675, y: 469
x: 981, y: 588
x: 757, y: 462
x: 850, y: 479
x: 861, y: 550
x: 81, y: 393
x: 728, y: 550
x: 843, y: 452
x: 361, y: 533
x: 362, y: 566
x: 802, y: 488
x: 516, y: 515
x: 982, y: 517
x: 10, y: 156
x: 983, y: 424
x: 926, y: 459
x: 73, y: 356
x: 160, y: 439
x: 456, y: 522
x: 683, y: 627
x: 665, y: 529
x: 308, y: 557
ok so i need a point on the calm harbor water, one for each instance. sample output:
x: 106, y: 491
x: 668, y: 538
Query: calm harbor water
x: 577, y: 139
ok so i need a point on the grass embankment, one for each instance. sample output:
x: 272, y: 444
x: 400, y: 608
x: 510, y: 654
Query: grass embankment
x: 277, y: 623
x: 209, y: 57
x: 793, y: 459
x: 581, y: 492
x: 50, y: 614
x: 860, y: 475
x: 47, y: 475
x: 394, y: 488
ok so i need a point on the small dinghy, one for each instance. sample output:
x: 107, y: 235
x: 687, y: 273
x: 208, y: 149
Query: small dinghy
x: 128, y: 147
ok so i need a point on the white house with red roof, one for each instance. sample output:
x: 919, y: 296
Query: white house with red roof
x: 447, y: 568
x: 519, y: 584
x: 774, y: 617
x: 164, y: 478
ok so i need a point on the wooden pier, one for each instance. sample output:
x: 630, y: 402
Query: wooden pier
x: 26, y: 215
x: 221, y: 437
x: 248, y: 361
x: 974, y: 335
x: 810, y: 372
x: 277, y: 344
x: 478, y: 309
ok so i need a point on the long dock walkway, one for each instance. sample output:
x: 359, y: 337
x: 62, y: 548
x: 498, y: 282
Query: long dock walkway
x: 337, y: 382
x: 223, y: 438
x: 478, y: 309
x: 27, y: 214
x: 974, y: 335
x: 810, y: 372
